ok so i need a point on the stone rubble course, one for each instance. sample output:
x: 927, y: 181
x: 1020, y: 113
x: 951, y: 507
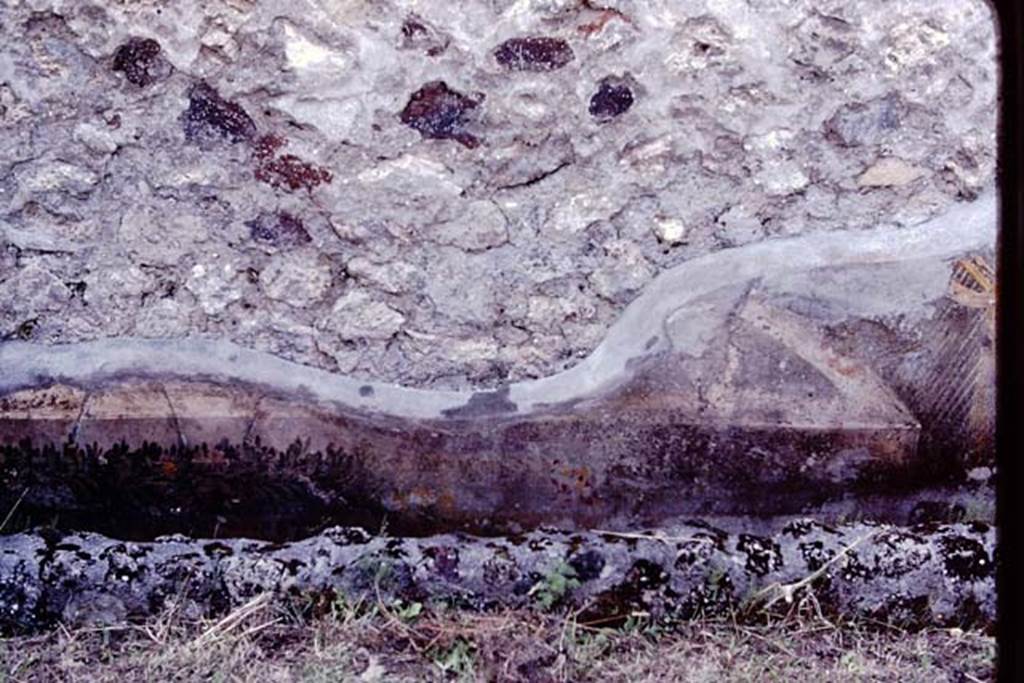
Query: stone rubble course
x: 453, y: 194
x: 926, y: 575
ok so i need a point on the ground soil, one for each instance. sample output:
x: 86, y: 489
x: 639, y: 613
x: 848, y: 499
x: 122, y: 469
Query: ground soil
x: 332, y: 641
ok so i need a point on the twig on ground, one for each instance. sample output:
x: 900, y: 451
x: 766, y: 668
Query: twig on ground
x: 778, y: 646
x: 231, y: 621
x: 658, y: 536
x: 787, y: 590
x: 10, y: 513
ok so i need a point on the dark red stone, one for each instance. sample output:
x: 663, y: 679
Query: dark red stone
x: 612, y: 99
x: 439, y: 112
x: 267, y: 145
x: 286, y: 170
x: 138, y: 59
x: 291, y: 172
x: 534, y: 54
x: 210, y: 115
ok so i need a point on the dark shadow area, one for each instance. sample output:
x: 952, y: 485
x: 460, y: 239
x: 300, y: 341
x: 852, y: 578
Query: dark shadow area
x: 1010, y: 316
x: 258, y: 493
x: 140, y: 494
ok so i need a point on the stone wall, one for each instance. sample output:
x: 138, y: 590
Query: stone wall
x: 488, y: 266
x: 453, y: 195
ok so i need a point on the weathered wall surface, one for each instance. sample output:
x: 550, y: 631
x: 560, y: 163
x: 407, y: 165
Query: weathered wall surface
x: 764, y: 379
x: 325, y: 198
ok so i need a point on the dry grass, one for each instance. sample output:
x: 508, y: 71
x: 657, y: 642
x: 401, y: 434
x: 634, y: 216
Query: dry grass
x: 333, y: 641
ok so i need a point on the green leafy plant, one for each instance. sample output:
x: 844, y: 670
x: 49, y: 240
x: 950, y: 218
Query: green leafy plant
x: 555, y: 586
x: 458, y: 659
x: 408, y: 612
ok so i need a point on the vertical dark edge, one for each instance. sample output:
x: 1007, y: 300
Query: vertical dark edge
x: 1009, y: 344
